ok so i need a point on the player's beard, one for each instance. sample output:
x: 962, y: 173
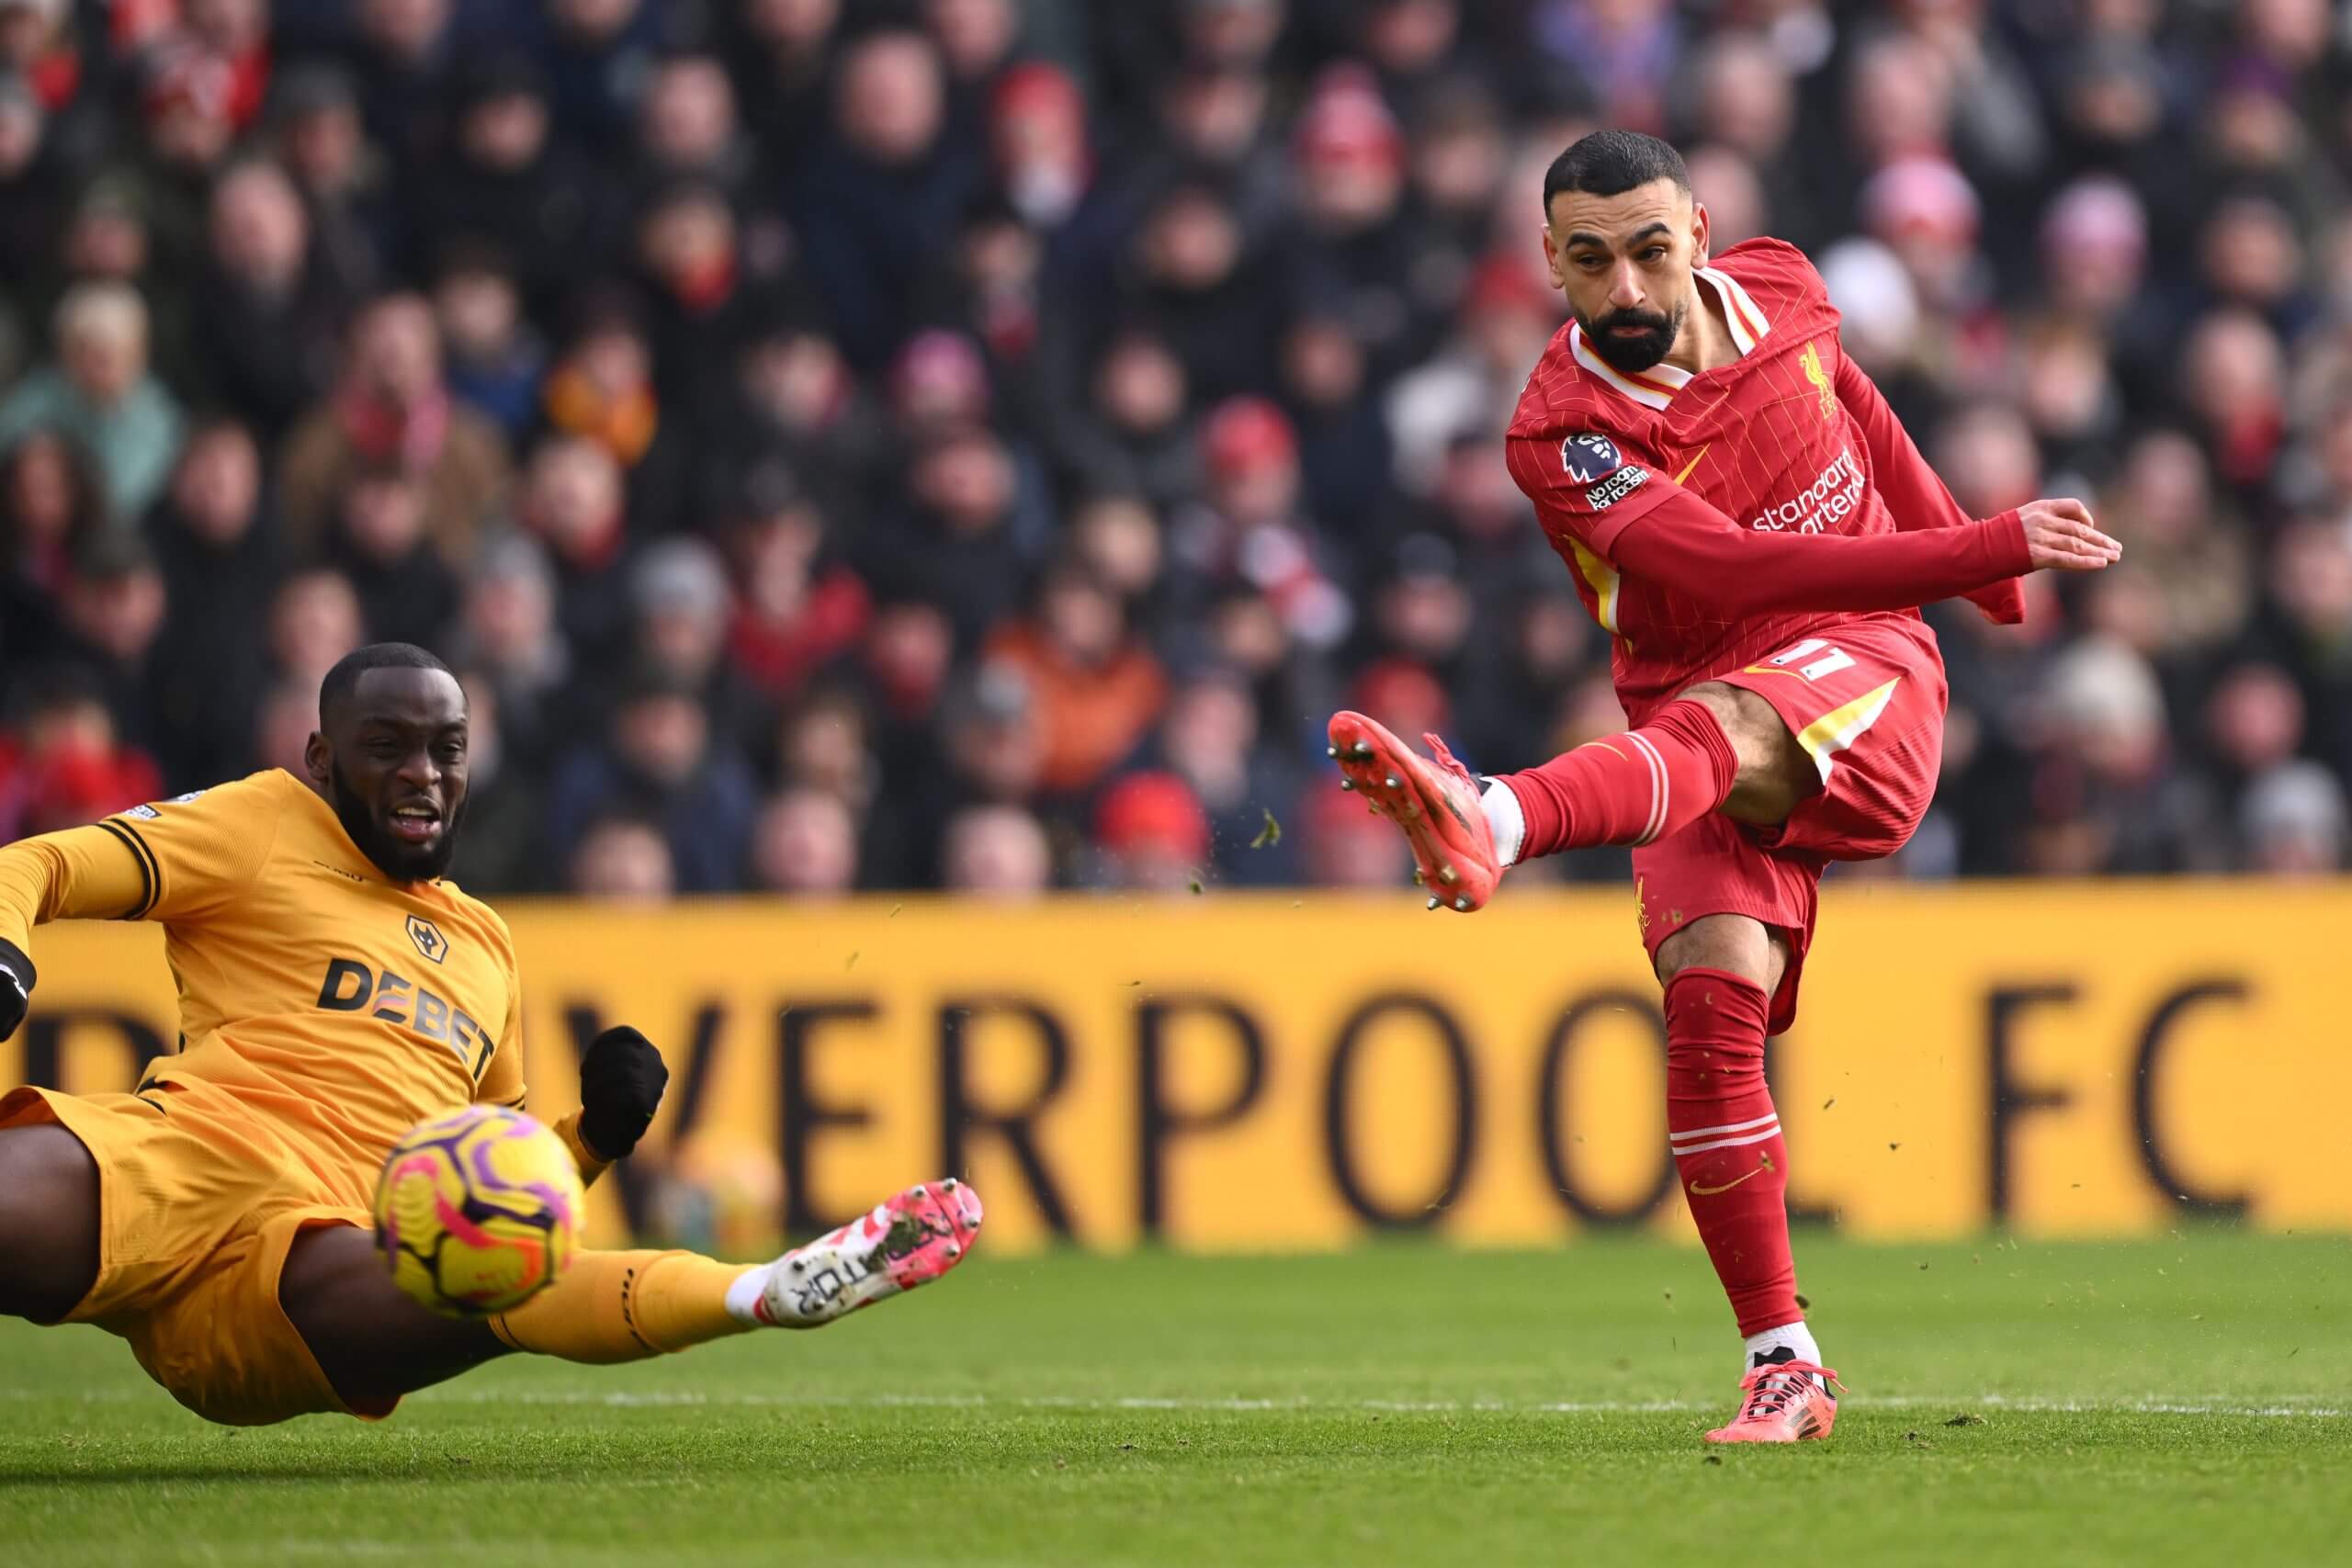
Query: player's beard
x: 1643, y: 349
x: 401, y: 863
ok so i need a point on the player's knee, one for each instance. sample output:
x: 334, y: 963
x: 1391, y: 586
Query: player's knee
x: 49, y: 1223
x: 1734, y: 944
x: 1775, y: 774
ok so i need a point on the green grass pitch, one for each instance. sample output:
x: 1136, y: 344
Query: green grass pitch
x: 2178, y: 1401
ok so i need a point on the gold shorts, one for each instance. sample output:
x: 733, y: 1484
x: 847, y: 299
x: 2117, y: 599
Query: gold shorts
x: 200, y: 1200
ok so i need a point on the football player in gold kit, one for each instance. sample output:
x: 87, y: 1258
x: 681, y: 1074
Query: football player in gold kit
x: 334, y: 990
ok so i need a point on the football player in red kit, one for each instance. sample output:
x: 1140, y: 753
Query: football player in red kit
x: 1750, y: 524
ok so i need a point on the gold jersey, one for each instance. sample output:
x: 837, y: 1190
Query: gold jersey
x: 344, y: 1007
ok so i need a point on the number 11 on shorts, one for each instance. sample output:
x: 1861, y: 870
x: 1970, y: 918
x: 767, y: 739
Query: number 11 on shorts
x: 1814, y: 658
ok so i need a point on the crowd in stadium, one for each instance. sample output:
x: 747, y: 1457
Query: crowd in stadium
x: 976, y: 443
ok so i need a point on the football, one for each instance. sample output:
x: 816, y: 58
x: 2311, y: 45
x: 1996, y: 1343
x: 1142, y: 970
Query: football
x: 478, y: 1211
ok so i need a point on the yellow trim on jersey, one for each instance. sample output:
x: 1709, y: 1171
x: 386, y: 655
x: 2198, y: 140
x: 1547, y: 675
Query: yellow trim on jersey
x: 1841, y: 727
x: 1693, y: 463
x: 1603, y: 577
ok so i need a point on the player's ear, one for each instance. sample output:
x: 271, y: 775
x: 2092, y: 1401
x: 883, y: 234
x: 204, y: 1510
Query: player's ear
x: 1699, y: 233
x: 1553, y: 264
x: 317, y: 758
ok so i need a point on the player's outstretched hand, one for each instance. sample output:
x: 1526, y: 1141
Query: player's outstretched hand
x: 17, y: 981
x: 2061, y: 536
x: 621, y: 1080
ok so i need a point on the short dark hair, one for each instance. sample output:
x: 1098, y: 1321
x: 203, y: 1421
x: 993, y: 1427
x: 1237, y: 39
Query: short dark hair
x: 344, y: 679
x: 1611, y: 163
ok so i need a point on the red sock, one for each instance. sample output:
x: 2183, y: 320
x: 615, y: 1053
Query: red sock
x: 1727, y: 1141
x: 1629, y: 789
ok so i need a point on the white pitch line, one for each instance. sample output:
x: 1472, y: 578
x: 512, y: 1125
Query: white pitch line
x: 623, y: 1399
x: 2154, y: 1404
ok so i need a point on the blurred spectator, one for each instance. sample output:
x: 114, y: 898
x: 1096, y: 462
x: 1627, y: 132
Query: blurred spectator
x: 407, y: 593
x: 266, y: 314
x: 781, y: 72
x: 406, y: 57
x: 689, y: 128
x: 2293, y: 822
x: 113, y: 611
x: 657, y: 759
x: 573, y: 504
x: 390, y: 406
x: 871, y: 196
x: 34, y: 183
x: 1253, y: 530
x: 1037, y: 136
x: 222, y: 563
x: 954, y: 543
x: 996, y: 852
x: 500, y: 850
x: 679, y: 625
x: 1347, y: 847
x: 511, y: 184
x: 2106, y: 797
x: 689, y: 250
x: 60, y: 764
x: 602, y: 389
x: 508, y: 641
x: 1099, y: 690
x: 1127, y: 430
x: 50, y: 504
x: 805, y: 842
x: 355, y: 227
x: 100, y: 395
x: 623, y: 859
x: 1195, y: 274
x: 496, y: 357
x: 794, y: 608
x: 600, y: 55
x: 283, y: 724
x: 821, y: 744
x: 313, y: 621
x: 1352, y: 250
x: 1210, y: 739
x: 1152, y: 835
x: 992, y: 753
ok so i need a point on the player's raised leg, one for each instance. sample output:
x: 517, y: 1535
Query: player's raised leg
x: 1716, y: 747
x: 376, y: 1344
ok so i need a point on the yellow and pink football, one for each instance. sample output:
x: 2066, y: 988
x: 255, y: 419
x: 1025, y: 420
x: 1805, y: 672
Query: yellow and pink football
x: 478, y: 1211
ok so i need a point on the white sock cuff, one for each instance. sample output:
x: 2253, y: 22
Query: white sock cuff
x: 1504, y: 819
x: 743, y: 1295
x: 1796, y: 1337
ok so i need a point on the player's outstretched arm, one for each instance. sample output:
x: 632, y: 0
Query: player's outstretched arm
x: 621, y: 1080
x: 1915, y: 494
x: 1685, y: 545
x: 82, y: 873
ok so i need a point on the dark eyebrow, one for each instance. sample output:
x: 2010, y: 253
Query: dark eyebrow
x: 1584, y: 237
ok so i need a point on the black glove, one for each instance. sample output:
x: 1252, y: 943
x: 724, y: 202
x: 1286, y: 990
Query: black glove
x: 621, y: 1080
x: 17, y: 982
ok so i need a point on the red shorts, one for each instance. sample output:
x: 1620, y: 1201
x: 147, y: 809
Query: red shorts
x: 1865, y: 698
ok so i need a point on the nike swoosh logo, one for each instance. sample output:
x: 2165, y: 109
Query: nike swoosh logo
x: 1706, y: 1191
x: 1691, y: 464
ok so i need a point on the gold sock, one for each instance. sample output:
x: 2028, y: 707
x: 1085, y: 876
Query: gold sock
x: 626, y: 1307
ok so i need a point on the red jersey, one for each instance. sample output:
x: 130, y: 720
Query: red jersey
x: 1789, y: 440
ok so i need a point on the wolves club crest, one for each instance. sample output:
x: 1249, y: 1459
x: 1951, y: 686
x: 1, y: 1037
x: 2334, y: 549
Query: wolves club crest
x: 428, y: 938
